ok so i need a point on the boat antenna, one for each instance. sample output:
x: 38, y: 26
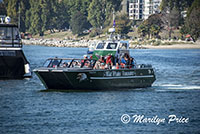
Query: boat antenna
x: 19, y: 17
x: 112, y: 30
x: 113, y: 18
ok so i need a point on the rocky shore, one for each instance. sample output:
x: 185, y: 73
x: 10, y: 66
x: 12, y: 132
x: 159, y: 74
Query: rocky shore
x: 58, y: 43
x: 87, y: 43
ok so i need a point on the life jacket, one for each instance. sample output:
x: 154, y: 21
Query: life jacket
x: 122, y: 65
x: 108, y: 60
x: 117, y: 66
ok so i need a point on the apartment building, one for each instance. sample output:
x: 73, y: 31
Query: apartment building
x: 151, y: 7
x: 136, y: 9
x: 142, y: 9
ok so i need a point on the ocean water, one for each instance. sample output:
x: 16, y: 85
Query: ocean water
x: 173, y: 99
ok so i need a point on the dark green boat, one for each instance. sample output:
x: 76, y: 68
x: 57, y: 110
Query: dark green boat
x: 72, y: 76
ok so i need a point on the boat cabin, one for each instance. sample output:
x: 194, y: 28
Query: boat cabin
x: 110, y: 47
x: 10, y: 36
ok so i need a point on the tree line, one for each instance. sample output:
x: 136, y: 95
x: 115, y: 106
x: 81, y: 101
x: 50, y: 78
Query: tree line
x: 37, y: 16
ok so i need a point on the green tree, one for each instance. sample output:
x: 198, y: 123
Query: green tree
x: 2, y: 9
x: 178, y: 4
x: 143, y: 30
x: 151, y: 27
x: 63, y: 16
x: 79, y: 23
x: 116, y: 4
x: 96, y: 13
x: 122, y: 24
x: 23, y: 7
x: 171, y: 19
x: 12, y: 9
x: 35, y: 23
x: 154, y: 30
x: 192, y: 23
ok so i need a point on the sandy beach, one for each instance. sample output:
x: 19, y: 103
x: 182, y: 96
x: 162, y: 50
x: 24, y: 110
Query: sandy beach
x: 175, y: 46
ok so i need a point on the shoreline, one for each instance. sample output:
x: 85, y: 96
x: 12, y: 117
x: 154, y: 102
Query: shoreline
x: 86, y: 43
x: 174, y: 46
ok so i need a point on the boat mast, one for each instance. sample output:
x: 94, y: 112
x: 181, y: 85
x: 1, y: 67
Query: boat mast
x: 19, y: 17
x: 113, y: 18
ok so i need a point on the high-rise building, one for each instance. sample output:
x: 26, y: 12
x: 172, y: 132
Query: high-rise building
x: 142, y: 9
x: 151, y: 7
x: 136, y: 9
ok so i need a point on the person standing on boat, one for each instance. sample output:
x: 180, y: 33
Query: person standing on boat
x: 117, y: 57
x: 109, y: 62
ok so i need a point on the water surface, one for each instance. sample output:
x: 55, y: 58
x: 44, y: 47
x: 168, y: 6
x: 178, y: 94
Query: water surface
x: 25, y: 108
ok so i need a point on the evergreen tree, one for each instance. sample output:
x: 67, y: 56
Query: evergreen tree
x: 96, y: 13
x: 63, y: 16
x: 12, y: 11
x: 2, y: 9
x: 79, y: 23
x: 122, y: 24
x: 193, y: 20
x: 151, y: 27
x: 171, y: 19
x: 180, y: 5
x: 23, y: 7
x: 35, y: 24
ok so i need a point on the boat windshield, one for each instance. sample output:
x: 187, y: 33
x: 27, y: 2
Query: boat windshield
x: 111, y: 46
x: 69, y: 63
x: 123, y: 46
x: 101, y: 46
x: 10, y: 37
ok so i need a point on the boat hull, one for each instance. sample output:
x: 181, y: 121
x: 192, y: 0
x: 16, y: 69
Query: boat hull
x: 59, y: 79
x: 12, y: 64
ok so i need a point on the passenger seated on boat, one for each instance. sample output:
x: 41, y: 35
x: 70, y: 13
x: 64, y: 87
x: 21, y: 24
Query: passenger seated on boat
x: 131, y: 63
x: 75, y: 64
x: 55, y: 62
x: 65, y: 64
x: 102, y: 63
x: 83, y: 62
x: 123, y: 62
x: 117, y: 66
x: 97, y: 65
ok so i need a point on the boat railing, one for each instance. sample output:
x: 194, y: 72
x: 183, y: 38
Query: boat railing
x: 85, y: 64
x: 10, y: 43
